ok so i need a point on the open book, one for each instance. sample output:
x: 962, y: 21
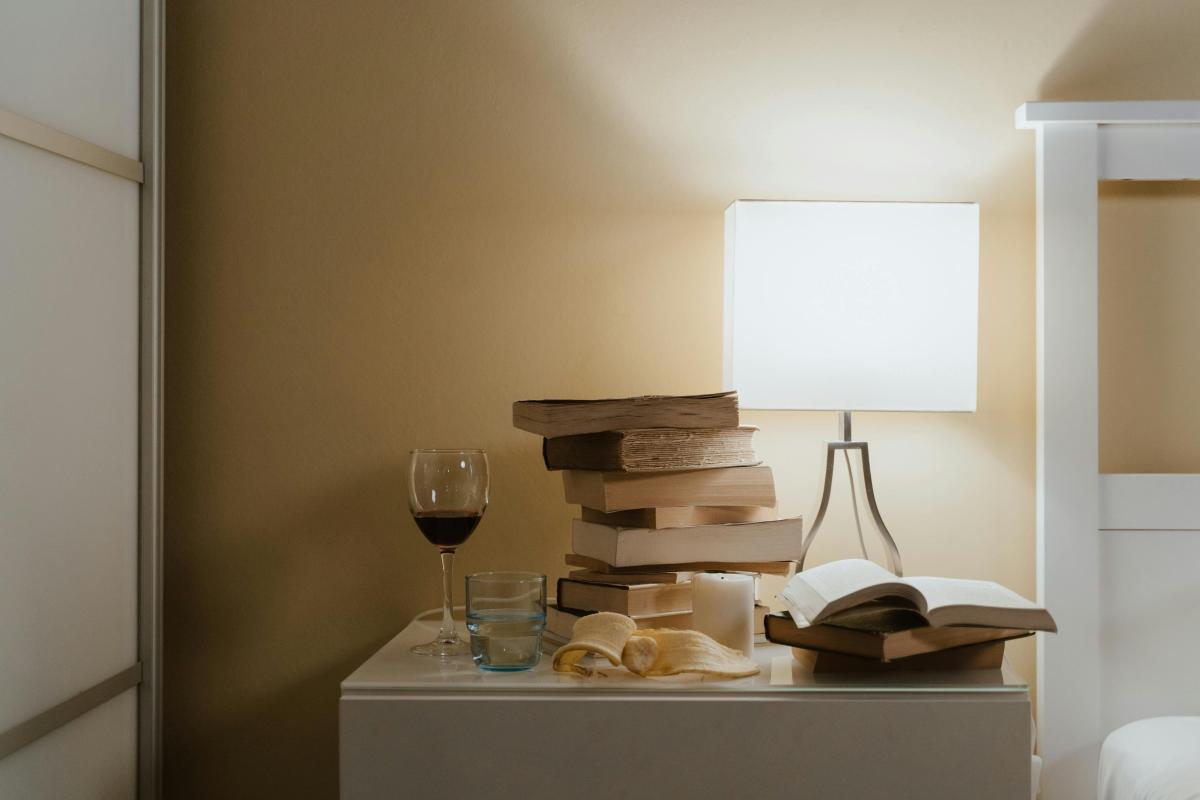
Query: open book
x: 854, y: 588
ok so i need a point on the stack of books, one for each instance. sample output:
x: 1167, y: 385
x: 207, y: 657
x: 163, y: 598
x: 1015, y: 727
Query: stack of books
x: 666, y: 486
x: 855, y: 616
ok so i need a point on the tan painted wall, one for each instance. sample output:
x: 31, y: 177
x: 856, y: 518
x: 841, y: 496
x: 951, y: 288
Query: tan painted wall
x: 387, y: 220
x: 1150, y: 327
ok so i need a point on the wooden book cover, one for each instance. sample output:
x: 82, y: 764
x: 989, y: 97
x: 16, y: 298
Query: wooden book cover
x: 784, y: 568
x: 680, y: 516
x: 652, y: 450
x: 553, y: 418
x: 619, y: 491
x: 776, y: 540
x: 986, y: 655
x: 881, y: 645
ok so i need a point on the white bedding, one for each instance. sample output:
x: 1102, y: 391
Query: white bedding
x: 1152, y: 759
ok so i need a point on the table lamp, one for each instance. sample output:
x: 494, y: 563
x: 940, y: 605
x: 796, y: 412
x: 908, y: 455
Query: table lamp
x: 846, y: 306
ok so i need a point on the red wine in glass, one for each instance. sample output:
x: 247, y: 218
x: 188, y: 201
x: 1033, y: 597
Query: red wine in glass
x: 447, y: 495
x: 447, y: 529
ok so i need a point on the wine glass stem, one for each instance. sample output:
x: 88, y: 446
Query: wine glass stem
x: 447, y: 633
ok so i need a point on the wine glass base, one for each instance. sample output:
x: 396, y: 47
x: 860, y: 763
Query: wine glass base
x: 443, y: 648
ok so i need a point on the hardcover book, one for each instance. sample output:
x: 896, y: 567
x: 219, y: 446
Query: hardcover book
x: 985, y: 655
x: 777, y: 540
x: 628, y: 599
x: 882, y: 645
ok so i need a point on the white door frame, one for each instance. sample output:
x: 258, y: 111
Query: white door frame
x: 150, y: 435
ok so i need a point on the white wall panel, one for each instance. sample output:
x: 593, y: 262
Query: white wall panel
x: 68, y: 428
x: 1150, y: 152
x: 1150, y: 613
x: 73, y: 65
x: 93, y: 757
x: 1150, y: 502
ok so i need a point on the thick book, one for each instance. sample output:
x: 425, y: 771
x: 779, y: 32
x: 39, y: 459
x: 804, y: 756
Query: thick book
x: 619, y: 491
x: 560, y: 621
x: 652, y: 449
x: 631, y: 578
x: 628, y: 599
x: 679, y: 516
x: 885, y: 645
x: 985, y: 655
x: 822, y: 593
x: 777, y: 540
x: 784, y: 568
x: 552, y: 418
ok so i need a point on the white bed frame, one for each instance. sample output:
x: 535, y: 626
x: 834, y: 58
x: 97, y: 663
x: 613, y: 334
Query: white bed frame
x: 1118, y: 556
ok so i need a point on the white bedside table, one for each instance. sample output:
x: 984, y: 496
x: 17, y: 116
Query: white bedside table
x: 414, y: 727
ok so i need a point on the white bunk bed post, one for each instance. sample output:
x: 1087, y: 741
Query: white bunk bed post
x: 1068, y: 568
x: 1078, y: 145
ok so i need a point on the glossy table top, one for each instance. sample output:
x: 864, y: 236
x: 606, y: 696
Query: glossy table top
x: 393, y: 670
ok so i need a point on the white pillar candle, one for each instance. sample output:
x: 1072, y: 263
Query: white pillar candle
x: 723, y: 608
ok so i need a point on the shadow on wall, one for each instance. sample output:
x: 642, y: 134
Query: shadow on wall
x: 1131, y: 51
x: 501, y: 106
x: 1142, y: 51
x: 309, y: 265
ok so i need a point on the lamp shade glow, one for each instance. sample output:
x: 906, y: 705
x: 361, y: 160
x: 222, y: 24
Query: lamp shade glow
x: 852, y: 306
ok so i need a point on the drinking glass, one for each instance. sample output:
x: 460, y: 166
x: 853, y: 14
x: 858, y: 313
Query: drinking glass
x: 447, y: 494
x: 506, y: 614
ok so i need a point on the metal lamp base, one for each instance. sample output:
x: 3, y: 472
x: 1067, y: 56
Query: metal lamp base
x: 846, y: 444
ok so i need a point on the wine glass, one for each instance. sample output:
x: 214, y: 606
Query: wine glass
x: 447, y: 495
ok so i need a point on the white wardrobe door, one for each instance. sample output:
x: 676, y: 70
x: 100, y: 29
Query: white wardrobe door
x: 73, y: 65
x: 89, y: 759
x: 68, y: 467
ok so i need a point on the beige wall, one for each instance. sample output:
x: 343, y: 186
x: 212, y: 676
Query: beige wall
x: 388, y: 220
x: 1150, y: 327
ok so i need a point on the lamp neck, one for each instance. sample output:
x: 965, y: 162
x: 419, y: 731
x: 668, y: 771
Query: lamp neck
x: 844, y: 431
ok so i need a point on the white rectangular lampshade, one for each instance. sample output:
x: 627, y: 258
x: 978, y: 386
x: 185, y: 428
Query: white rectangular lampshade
x: 852, y: 306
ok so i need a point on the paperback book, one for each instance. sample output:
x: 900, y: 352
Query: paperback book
x: 679, y: 516
x: 620, y: 491
x: 777, y: 540
x: 652, y: 450
x: 553, y: 418
x: 785, y: 568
